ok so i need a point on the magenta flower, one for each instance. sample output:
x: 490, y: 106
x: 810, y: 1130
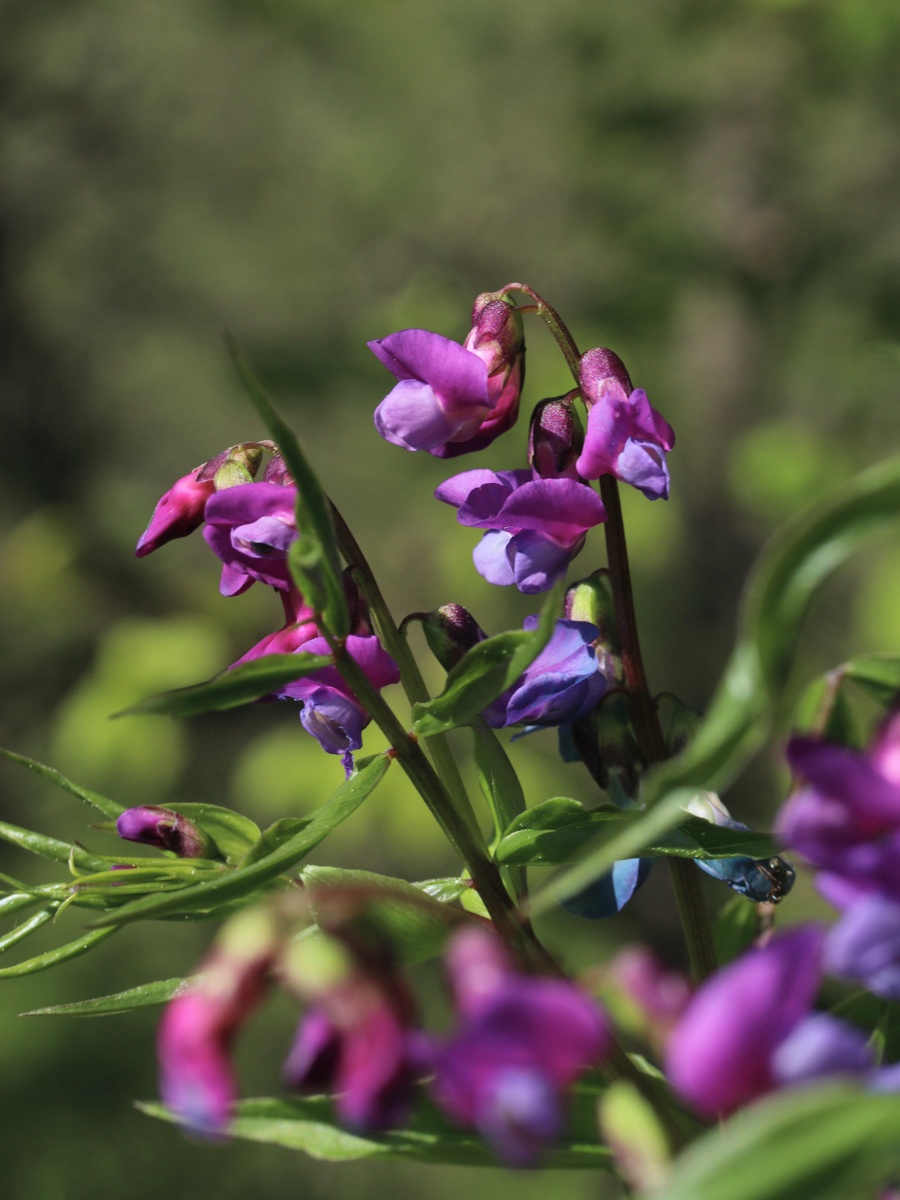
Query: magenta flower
x: 520, y: 1044
x: 331, y: 713
x: 178, y: 513
x: 164, y: 828
x: 250, y: 527
x: 452, y: 399
x: 535, y: 526
x: 299, y: 628
x: 625, y: 437
x: 562, y: 684
x: 750, y: 1028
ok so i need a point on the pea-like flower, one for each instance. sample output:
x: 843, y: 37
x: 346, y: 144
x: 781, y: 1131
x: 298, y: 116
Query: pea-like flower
x: 250, y: 527
x: 451, y: 399
x: 178, y: 512
x: 520, y: 1044
x: 162, y: 827
x: 625, y: 436
x: 750, y: 1029
x: 535, y: 526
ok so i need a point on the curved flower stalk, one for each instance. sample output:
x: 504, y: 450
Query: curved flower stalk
x: 452, y: 399
x: 535, y: 526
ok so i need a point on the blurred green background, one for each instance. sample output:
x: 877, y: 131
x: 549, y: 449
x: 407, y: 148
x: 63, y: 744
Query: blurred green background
x: 712, y: 190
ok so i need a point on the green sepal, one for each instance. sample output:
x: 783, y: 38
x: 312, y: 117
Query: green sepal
x: 233, y: 833
x: 145, y: 995
x: 231, y: 688
x: 244, y: 880
x: 313, y: 557
x: 108, y: 807
x: 485, y: 671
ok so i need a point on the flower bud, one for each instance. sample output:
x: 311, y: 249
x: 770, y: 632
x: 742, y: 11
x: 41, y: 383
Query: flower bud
x: 555, y: 438
x: 497, y: 334
x: 164, y: 828
x: 598, y: 370
x: 276, y: 472
x: 178, y: 513
x: 450, y: 632
x: 606, y: 743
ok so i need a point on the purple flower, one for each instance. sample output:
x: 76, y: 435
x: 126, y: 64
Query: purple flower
x: 563, y: 683
x: 750, y: 1030
x: 299, y: 628
x: 536, y: 526
x: 250, y: 527
x: 198, y: 1027
x: 451, y: 399
x: 178, y: 513
x: 164, y: 828
x: 331, y: 713
x: 864, y: 945
x: 625, y: 437
x: 521, y: 1043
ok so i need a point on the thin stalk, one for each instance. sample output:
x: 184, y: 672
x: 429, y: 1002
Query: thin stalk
x: 410, y: 676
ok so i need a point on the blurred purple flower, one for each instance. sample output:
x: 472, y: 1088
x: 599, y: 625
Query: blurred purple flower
x: 864, y: 945
x: 563, y: 683
x: 536, y: 526
x: 250, y: 527
x: 452, y: 399
x: 521, y: 1043
x: 625, y: 437
x: 177, y: 513
x: 154, y: 826
x: 750, y: 1028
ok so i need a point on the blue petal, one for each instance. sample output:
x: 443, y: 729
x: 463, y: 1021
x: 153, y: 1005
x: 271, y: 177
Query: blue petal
x: 611, y: 892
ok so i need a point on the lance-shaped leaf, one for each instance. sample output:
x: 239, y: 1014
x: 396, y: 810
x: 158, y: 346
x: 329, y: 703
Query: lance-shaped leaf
x: 308, y: 1125
x: 108, y: 807
x: 313, y: 557
x: 145, y: 995
x: 822, y: 1143
x: 61, y: 954
x: 414, y: 924
x: 239, y: 685
x: 877, y: 674
x: 48, y: 847
x: 14, y: 936
x: 488, y: 669
x: 244, y: 880
x: 781, y: 586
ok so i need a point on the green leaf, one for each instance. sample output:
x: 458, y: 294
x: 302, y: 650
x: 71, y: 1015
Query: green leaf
x: 782, y: 584
x: 414, y: 924
x: 735, y: 929
x: 485, y: 671
x: 274, y: 837
x: 558, y: 830
x: 876, y: 674
x: 246, y: 879
x: 61, y: 954
x: 823, y: 1143
x: 233, y: 833
x: 48, y: 847
x: 446, y: 890
x: 239, y: 685
x: 109, y: 807
x: 309, y: 1125
x: 146, y: 995
x: 313, y: 557
x: 16, y: 901
x: 501, y: 789
x: 26, y: 928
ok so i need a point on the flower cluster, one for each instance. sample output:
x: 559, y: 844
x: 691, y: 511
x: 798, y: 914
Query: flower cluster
x: 520, y: 1041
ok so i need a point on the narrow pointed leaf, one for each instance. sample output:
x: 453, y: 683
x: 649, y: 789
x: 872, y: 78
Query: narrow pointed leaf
x: 146, y: 995
x: 26, y: 928
x: 61, y: 954
x: 48, y: 847
x: 229, y: 689
x: 246, y: 879
x: 108, y: 807
x: 877, y: 674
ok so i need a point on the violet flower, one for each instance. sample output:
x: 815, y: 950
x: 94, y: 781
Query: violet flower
x: 178, y: 512
x: 520, y: 1044
x: 563, y: 683
x: 625, y: 437
x: 250, y: 527
x: 750, y: 1029
x: 452, y: 399
x: 331, y: 713
x: 154, y: 826
x: 299, y: 628
x: 864, y: 945
x: 535, y: 526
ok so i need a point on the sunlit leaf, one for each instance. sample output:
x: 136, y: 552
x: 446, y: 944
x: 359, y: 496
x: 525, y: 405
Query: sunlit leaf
x: 146, y: 995
x: 108, y: 807
x: 61, y: 954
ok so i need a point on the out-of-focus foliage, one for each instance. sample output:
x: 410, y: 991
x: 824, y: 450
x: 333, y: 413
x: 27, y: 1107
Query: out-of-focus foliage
x: 713, y: 190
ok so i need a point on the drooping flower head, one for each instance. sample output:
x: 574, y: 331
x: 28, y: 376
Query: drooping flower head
x: 625, y: 437
x: 535, y: 526
x: 750, y: 1028
x: 162, y: 827
x: 250, y: 527
x: 452, y: 399
x: 520, y: 1044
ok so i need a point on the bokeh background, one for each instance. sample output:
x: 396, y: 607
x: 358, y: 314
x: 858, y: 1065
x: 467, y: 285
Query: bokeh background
x: 712, y: 190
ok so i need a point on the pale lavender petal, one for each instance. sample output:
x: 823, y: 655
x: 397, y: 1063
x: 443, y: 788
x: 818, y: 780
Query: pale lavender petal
x: 865, y: 946
x: 643, y: 465
x: 602, y: 441
x: 411, y: 416
x: 537, y: 561
x: 233, y: 582
x: 458, y: 375
x: 457, y: 488
x: 492, y: 558
x: 333, y: 720
x: 821, y: 1045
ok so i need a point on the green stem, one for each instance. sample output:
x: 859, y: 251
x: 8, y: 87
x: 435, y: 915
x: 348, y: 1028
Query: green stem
x: 410, y: 676
x: 644, y: 716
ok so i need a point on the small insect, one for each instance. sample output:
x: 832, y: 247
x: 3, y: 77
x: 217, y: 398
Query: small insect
x: 763, y: 880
